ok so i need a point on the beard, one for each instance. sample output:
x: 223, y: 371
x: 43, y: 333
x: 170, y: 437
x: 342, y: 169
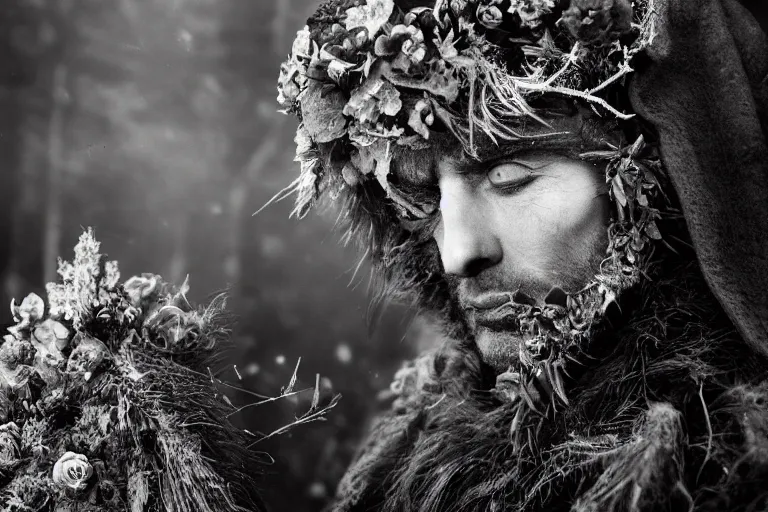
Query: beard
x: 481, y: 299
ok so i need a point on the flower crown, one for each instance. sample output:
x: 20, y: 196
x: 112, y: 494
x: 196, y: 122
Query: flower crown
x: 365, y: 76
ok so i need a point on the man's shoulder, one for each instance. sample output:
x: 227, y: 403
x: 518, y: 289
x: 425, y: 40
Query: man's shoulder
x: 418, y: 385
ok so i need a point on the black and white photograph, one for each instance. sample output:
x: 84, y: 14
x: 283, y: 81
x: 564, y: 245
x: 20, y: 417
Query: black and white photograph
x: 384, y: 256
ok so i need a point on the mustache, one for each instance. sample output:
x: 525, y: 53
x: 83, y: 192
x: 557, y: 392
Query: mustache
x: 489, y: 292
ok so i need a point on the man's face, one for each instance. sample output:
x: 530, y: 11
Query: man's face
x: 528, y: 221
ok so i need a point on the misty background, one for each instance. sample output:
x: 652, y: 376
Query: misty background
x: 155, y: 123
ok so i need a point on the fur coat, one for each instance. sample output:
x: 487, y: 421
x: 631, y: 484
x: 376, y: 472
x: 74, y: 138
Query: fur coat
x: 672, y: 412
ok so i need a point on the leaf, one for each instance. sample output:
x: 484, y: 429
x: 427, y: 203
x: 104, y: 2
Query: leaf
x: 618, y: 190
x: 652, y: 230
x: 442, y: 84
x: 637, y: 146
x: 322, y: 113
x: 292, y: 382
x: 372, y: 16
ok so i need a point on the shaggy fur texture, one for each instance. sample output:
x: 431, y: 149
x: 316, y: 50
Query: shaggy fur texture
x: 671, y: 417
x: 671, y: 413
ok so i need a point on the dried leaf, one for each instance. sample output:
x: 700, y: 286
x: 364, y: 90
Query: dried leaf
x: 337, y: 69
x: 322, y: 113
x: 618, y: 190
x: 292, y: 382
x: 442, y: 84
x: 374, y: 98
x: 637, y: 146
x: 652, y: 230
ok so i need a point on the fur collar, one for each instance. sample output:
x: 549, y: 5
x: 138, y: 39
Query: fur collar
x: 670, y: 416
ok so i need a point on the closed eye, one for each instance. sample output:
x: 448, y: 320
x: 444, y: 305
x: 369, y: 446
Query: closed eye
x: 511, y: 176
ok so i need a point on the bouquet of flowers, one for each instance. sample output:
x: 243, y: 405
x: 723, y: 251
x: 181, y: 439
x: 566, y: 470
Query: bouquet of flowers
x: 107, y: 402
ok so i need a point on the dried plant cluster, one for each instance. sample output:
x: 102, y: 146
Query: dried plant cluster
x: 107, y: 400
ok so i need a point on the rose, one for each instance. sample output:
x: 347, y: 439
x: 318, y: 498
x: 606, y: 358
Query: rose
x: 405, y: 42
x: 141, y: 287
x: 531, y: 11
x: 52, y: 334
x: 30, y: 310
x: 489, y: 16
x: 87, y: 357
x: 72, y: 470
x: 598, y: 22
x: 9, y: 445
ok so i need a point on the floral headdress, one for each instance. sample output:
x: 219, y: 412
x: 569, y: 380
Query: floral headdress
x: 374, y: 79
x: 367, y: 76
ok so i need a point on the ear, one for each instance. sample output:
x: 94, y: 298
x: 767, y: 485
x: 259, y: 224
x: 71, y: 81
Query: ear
x: 705, y: 90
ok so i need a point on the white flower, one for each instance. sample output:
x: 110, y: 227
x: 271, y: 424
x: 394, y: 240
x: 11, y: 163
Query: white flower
x: 140, y: 287
x: 372, y: 16
x: 302, y: 46
x: 531, y: 11
x: 9, y: 444
x: 31, y: 308
x: 52, y: 333
x: 72, y: 470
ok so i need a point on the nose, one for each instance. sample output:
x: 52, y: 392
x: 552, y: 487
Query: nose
x: 465, y: 236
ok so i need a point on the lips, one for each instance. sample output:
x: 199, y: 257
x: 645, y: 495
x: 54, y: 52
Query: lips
x: 488, y: 311
x: 488, y: 301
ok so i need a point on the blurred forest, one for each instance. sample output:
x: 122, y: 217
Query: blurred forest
x: 155, y: 122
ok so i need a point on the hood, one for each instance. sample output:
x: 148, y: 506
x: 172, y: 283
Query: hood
x: 704, y: 88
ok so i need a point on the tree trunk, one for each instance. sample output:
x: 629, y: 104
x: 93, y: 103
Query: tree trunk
x: 238, y: 196
x: 53, y: 220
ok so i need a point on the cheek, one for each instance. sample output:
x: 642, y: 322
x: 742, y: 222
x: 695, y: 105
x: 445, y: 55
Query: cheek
x: 579, y: 212
x: 562, y: 217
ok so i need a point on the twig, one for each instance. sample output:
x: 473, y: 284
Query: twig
x: 709, y: 430
x: 307, y: 418
x: 268, y: 400
x: 586, y: 96
x: 559, y: 72
x: 625, y: 70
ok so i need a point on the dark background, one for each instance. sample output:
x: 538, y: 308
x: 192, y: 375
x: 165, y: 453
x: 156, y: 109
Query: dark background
x: 154, y: 122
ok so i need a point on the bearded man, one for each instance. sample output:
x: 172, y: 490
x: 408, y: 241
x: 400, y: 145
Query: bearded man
x: 578, y: 191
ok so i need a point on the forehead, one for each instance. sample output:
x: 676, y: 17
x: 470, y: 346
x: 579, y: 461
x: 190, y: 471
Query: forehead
x: 567, y: 134
x: 420, y: 167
